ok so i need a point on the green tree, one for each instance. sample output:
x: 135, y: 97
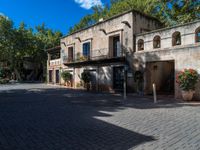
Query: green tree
x: 66, y: 75
x: 6, y: 38
x: 18, y: 44
x: 86, y: 78
x: 169, y: 12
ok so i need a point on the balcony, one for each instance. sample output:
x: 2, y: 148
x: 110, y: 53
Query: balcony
x: 55, y: 62
x: 96, y: 57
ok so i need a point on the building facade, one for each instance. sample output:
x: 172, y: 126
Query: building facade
x: 130, y: 50
x: 164, y: 52
x: 54, y: 66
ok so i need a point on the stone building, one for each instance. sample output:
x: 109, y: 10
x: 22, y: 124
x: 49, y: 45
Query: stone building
x: 129, y: 47
x: 165, y: 52
x: 54, y: 66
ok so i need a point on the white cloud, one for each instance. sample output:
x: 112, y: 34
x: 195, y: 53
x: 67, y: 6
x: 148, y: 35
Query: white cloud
x: 87, y: 4
x: 1, y: 14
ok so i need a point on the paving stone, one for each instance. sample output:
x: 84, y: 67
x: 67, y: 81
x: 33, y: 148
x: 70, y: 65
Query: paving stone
x: 41, y: 117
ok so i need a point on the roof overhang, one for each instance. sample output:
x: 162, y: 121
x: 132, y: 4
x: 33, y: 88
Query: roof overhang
x: 54, y: 50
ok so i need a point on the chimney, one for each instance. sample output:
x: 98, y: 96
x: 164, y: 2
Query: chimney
x: 101, y: 20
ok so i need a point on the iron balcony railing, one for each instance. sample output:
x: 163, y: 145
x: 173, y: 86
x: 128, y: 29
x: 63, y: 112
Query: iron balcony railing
x: 96, y: 54
x: 54, y: 62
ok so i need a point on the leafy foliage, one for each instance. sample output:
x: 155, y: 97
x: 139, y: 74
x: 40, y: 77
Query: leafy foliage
x: 86, y: 77
x: 18, y: 44
x: 66, y: 75
x: 187, y: 79
x: 169, y: 12
x: 4, y: 73
x: 88, y: 20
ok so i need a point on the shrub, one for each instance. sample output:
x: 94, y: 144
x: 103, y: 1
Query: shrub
x: 86, y: 77
x: 5, y: 73
x: 187, y: 79
x: 80, y: 84
x: 4, y: 81
x: 66, y: 75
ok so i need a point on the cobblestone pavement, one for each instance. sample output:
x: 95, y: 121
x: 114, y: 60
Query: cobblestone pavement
x: 41, y: 117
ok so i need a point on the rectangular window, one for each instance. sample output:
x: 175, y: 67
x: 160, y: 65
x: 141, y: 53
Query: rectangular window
x: 116, y: 46
x: 70, y: 54
x: 86, y: 49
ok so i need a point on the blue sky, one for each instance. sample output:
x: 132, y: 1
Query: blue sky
x: 56, y: 14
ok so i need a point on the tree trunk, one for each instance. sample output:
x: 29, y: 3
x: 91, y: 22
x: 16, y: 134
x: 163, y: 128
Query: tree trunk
x: 18, y: 76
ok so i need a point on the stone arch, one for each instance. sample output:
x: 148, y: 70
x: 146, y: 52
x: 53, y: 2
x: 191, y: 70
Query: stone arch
x: 176, y: 38
x: 156, y: 42
x: 140, y: 44
x: 197, y: 35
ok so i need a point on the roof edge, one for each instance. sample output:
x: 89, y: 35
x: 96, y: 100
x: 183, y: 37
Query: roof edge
x: 167, y: 28
x: 53, y: 48
x: 113, y: 17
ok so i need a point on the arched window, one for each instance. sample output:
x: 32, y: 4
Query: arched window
x: 140, y: 45
x: 156, y: 42
x: 197, y: 35
x: 176, y: 38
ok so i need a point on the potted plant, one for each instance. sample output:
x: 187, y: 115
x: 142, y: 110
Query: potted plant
x: 67, y: 77
x: 86, y: 78
x: 187, y: 79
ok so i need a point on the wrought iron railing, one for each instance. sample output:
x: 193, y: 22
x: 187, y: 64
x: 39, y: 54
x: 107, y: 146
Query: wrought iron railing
x: 55, y: 62
x: 96, y: 54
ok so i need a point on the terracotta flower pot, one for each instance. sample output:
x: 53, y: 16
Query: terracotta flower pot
x: 187, y: 95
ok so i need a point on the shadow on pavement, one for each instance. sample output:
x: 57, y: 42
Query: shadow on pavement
x: 60, y: 119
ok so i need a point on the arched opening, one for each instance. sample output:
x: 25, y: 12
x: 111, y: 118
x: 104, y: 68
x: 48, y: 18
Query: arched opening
x: 197, y: 35
x: 140, y: 45
x: 157, y: 42
x: 176, y: 38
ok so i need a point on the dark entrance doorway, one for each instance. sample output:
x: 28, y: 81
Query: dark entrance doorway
x: 57, y: 76
x: 93, y: 81
x: 162, y: 73
x: 50, y: 76
x: 118, y: 78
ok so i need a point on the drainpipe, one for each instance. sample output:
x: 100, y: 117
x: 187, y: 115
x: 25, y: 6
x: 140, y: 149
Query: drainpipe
x: 125, y: 83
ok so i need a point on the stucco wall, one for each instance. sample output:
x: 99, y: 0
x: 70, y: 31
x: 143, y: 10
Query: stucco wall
x: 98, y: 39
x: 187, y: 36
x: 143, y: 24
x: 184, y: 57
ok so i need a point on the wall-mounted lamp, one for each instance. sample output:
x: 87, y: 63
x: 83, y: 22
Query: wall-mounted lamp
x: 126, y: 23
x: 103, y: 30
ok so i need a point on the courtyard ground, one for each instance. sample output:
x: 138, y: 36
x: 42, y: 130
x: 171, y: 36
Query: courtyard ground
x: 42, y: 117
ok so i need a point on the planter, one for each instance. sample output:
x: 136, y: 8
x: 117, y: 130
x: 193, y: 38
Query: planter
x: 68, y: 84
x: 187, y: 95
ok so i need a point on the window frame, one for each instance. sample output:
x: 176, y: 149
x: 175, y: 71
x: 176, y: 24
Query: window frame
x: 139, y: 45
x: 86, y: 49
x: 156, y: 42
x: 197, y: 35
x: 175, y: 37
